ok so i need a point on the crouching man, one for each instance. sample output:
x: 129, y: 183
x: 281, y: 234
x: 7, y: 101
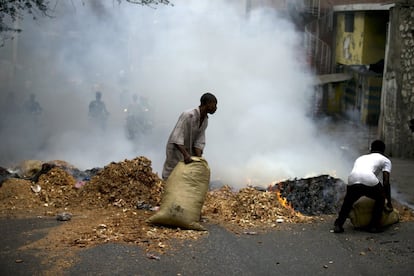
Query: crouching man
x: 365, y: 180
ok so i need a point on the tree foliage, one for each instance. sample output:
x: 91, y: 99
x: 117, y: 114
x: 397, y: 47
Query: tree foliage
x: 148, y: 2
x: 12, y: 10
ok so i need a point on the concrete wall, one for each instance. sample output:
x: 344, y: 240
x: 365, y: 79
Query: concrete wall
x: 349, y: 45
x: 398, y: 84
x: 366, y: 44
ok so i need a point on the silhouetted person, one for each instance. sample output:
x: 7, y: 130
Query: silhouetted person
x: 32, y: 107
x: 31, y: 112
x: 97, y: 111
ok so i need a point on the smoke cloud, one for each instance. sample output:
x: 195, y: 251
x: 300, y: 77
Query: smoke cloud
x: 254, y: 63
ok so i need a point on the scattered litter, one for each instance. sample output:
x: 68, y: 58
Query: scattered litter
x: 64, y: 216
x: 36, y: 188
x: 144, y: 206
x: 154, y: 209
x: 153, y: 257
x: 102, y: 226
x: 280, y: 220
x: 79, y: 184
x: 250, y: 233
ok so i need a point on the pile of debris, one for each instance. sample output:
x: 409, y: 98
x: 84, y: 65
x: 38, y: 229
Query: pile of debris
x: 313, y: 196
x: 127, y: 184
x: 249, y: 207
x: 113, y: 203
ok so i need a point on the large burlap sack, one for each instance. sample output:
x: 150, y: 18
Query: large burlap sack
x: 361, y: 213
x: 184, y: 196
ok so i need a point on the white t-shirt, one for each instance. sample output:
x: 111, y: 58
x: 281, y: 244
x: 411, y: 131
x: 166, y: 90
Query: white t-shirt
x: 368, y: 169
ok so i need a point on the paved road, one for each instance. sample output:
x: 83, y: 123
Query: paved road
x: 298, y: 249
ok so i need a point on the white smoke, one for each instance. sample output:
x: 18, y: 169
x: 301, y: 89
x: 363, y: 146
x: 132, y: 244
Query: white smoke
x: 254, y: 64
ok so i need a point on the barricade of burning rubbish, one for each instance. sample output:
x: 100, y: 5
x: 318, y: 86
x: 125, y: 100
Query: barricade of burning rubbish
x: 133, y: 184
x: 312, y: 196
x: 113, y: 203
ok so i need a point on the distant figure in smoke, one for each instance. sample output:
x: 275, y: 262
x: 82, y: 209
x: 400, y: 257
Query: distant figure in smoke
x: 32, y: 107
x: 188, y: 136
x: 32, y: 110
x: 364, y: 180
x: 97, y: 111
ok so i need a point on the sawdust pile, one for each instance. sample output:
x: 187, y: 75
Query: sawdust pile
x: 124, y: 184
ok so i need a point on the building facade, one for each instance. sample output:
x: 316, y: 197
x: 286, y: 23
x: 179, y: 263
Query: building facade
x: 373, y: 48
x: 396, y: 124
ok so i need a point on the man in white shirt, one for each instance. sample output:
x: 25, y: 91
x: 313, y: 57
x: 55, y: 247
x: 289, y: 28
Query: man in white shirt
x: 365, y: 180
x: 188, y: 136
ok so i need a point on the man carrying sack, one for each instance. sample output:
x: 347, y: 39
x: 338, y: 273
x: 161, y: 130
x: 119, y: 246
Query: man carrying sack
x: 188, y: 136
x: 364, y: 180
x: 187, y: 174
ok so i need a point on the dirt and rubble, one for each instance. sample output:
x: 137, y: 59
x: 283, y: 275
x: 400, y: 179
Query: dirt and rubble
x: 112, y: 204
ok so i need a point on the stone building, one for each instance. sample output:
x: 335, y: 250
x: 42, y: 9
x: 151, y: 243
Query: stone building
x: 396, y: 124
x: 372, y: 66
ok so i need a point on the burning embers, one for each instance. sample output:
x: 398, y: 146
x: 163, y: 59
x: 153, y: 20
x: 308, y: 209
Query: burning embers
x: 311, y: 196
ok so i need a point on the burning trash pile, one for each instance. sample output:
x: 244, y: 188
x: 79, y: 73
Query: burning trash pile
x: 313, y: 196
x: 114, y: 203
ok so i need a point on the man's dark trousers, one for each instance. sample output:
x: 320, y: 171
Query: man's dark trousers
x: 353, y: 193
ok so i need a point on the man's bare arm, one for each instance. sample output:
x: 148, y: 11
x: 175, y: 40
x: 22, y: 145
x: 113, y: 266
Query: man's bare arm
x: 198, y: 152
x: 387, y: 187
x: 186, y: 155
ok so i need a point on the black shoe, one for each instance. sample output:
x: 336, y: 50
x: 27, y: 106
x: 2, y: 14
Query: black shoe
x: 338, y: 229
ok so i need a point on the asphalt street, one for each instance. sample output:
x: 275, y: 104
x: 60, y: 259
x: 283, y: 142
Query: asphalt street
x: 294, y: 249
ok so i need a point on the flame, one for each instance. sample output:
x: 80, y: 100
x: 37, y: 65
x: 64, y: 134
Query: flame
x: 283, y: 201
